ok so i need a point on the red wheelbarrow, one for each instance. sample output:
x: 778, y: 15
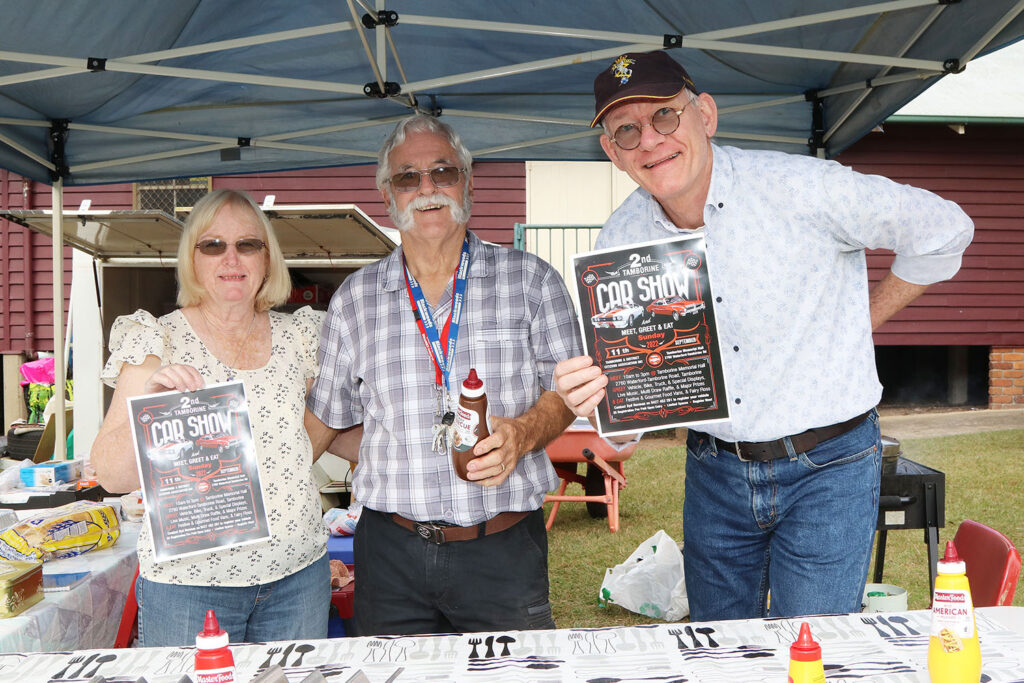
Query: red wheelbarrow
x: 602, y: 480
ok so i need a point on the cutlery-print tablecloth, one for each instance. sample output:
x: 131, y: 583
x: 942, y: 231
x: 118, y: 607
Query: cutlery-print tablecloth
x: 855, y: 647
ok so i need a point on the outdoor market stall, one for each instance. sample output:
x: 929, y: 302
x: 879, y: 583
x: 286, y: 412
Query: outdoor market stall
x: 158, y: 90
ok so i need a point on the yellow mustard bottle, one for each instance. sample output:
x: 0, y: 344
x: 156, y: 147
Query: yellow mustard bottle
x: 805, y: 664
x: 954, y: 655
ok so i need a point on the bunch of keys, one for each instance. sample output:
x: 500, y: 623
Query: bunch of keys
x: 442, y: 432
x: 444, y: 429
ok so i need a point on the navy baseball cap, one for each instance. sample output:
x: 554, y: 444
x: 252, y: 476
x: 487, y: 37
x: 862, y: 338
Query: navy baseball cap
x: 639, y: 76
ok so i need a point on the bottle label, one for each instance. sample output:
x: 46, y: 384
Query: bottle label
x: 952, y: 618
x: 225, y: 675
x: 466, y: 423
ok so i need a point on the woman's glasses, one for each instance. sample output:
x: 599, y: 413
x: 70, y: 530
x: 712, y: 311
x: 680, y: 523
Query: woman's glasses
x: 215, y: 247
x: 409, y: 181
x: 665, y: 121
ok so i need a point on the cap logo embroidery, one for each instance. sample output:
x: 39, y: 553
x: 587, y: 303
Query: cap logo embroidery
x: 621, y: 70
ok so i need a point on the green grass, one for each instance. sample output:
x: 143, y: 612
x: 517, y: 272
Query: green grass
x: 984, y: 476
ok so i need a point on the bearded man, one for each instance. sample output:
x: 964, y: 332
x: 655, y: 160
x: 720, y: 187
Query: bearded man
x: 436, y: 553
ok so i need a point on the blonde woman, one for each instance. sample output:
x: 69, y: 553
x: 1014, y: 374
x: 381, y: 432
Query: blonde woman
x: 231, y: 273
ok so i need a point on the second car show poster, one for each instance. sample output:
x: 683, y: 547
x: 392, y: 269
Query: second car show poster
x: 198, y: 469
x: 648, y: 320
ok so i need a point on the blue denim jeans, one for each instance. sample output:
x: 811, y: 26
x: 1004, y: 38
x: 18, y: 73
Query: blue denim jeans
x: 800, y: 527
x: 293, y: 608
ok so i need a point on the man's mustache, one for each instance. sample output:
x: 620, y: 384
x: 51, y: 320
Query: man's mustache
x: 405, y: 219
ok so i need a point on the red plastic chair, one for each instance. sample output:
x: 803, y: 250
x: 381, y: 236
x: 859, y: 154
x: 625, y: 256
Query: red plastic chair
x: 993, y: 563
x: 128, y: 631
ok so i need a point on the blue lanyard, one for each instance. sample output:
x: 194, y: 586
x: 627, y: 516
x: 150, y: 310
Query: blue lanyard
x: 443, y: 357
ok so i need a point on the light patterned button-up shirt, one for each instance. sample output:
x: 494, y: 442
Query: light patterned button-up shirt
x: 785, y: 240
x: 517, y: 323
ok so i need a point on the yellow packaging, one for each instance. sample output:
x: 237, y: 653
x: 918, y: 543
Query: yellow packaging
x: 61, y: 532
x: 21, y: 586
x: 954, y: 654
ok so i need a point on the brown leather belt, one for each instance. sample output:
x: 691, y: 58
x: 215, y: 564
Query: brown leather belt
x: 441, y: 533
x: 762, y: 451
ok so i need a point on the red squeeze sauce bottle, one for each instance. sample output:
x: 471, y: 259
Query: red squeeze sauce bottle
x: 214, y: 663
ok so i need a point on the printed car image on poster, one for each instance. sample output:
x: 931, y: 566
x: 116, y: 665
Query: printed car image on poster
x: 199, y: 470
x: 648, y: 320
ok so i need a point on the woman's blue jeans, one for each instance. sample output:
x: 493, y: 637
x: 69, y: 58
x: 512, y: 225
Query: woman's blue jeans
x: 293, y: 608
x: 800, y: 527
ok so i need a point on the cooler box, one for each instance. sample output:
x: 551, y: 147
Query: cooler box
x: 340, y: 548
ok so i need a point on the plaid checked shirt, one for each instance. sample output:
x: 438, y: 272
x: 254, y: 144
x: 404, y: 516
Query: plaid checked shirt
x: 518, y: 322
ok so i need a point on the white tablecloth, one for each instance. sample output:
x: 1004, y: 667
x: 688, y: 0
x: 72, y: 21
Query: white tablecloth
x: 893, y: 648
x: 85, y: 617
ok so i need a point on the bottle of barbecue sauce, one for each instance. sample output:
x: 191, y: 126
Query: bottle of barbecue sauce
x: 214, y: 663
x: 471, y: 423
x: 953, y: 651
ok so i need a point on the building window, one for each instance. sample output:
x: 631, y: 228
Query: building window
x: 171, y: 195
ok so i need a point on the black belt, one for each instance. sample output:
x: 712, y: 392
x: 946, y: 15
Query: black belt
x: 443, y: 533
x: 761, y: 451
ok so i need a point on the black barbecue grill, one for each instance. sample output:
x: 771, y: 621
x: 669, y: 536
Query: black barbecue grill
x: 912, y: 496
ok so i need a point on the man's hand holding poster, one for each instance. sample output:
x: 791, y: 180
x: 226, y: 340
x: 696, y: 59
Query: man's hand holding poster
x: 199, y: 471
x: 648, y: 319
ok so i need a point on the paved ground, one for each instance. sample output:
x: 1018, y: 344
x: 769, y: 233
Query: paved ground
x: 914, y: 424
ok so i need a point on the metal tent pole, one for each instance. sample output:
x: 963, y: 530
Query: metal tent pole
x: 57, y: 208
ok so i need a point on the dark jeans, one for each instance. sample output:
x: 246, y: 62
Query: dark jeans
x: 408, y: 585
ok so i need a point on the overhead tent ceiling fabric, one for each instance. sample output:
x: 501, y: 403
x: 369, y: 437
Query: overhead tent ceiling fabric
x: 213, y: 87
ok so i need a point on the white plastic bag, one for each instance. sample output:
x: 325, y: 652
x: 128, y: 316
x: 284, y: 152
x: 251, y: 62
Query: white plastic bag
x: 650, y: 581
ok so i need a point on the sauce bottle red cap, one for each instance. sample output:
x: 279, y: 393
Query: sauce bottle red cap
x: 210, y: 626
x: 805, y: 648
x: 472, y: 382
x: 951, y: 562
x: 212, y: 636
x: 951, y: 554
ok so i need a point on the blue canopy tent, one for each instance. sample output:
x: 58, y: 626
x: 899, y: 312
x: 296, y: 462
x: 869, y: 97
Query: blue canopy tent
x: 126, y: 90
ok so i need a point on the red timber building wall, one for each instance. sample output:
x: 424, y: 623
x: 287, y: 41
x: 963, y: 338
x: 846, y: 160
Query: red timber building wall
x: 26, y: 258
x: 983, y: 306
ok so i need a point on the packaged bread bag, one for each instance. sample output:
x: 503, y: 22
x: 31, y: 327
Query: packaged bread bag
x: 61, y: 532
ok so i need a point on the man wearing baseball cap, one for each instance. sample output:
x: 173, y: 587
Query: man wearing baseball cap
x: 782, y: 497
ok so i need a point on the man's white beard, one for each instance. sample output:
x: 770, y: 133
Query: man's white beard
x: 406, y: 218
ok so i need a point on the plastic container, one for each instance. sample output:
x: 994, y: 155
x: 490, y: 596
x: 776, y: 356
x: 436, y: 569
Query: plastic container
x: 884, y: 597
x: 471, y: 424
x: 805, y: 665
x: 214, y: 662
x: 953, y: 651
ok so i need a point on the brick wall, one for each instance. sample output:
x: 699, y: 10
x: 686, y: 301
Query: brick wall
x: 1006, y: 377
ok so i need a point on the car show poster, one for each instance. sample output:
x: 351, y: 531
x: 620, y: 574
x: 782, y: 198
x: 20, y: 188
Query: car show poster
x: 648, y: 320
x: 198, y: 469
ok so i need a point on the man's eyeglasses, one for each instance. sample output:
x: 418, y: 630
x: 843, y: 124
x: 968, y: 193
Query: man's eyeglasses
x: 246, y: 246
x: 442, y: 176
x: 665, y: 121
